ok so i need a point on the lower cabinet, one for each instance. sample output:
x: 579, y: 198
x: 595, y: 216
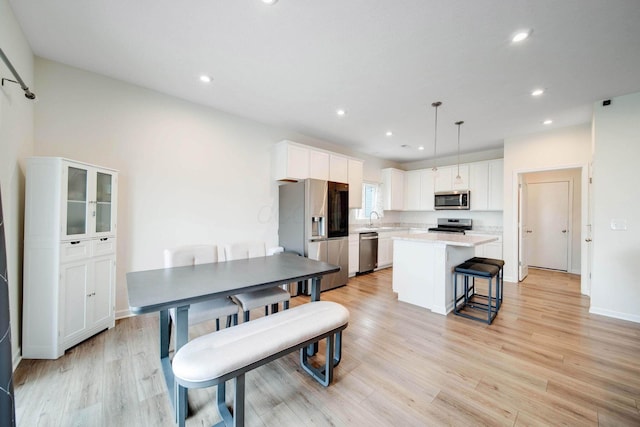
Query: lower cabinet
x: 354, y: 254
x: 64, y: 308
x: 87, y: 288
x: 385, y: 250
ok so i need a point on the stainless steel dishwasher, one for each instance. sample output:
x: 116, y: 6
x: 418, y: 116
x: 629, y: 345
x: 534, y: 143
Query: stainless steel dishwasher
x: 368, y: 252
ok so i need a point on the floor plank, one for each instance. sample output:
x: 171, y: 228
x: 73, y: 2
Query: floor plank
x: 545, y: 360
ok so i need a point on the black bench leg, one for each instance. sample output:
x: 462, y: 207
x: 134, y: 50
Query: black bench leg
x: 237, y: 419
x: 333, y: 355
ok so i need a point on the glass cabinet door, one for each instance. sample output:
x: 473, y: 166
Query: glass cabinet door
x: 77, y: 202
x: 104, y: 182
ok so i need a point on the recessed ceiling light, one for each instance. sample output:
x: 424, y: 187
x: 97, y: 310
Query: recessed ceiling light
x: 341, y: 112
x: 537, y: 92
x: 270, y: 2
x: 389, y: 133
x: 547, y: 122
x: 421, y: 148
x: 205, y: 79
x: 521, y: 35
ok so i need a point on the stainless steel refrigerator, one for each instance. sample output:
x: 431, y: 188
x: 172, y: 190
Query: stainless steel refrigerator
x: 314, y: 222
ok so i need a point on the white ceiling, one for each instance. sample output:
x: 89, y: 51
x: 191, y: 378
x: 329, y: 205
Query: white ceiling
x: 293, y: 64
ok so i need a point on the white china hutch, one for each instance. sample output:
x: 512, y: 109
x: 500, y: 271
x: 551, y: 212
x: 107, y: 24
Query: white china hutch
x: 69, y: 254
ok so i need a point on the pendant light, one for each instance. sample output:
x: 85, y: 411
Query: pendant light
x: 435, y: 134
x: 458, y: 180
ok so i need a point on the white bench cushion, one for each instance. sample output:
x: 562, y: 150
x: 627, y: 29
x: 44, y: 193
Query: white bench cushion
x: 219, y: 353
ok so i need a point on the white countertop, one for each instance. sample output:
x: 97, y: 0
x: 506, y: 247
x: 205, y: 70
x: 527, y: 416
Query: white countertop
x: 448, y: 239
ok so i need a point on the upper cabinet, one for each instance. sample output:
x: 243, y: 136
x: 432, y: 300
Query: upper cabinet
x: 293, y: 162
x: 486, y: 179
x: 355, y: 170
x: 88, y: 208
x: 338, y: 168
x: 393, y: 189
x: 445, y: 177
x: 496, y: 185
x: 290, y: 161
x: 318, y: 165
x: 418, y: 190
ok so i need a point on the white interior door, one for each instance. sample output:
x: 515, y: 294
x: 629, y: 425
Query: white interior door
x: 523, y: 231
x: 548, y: 220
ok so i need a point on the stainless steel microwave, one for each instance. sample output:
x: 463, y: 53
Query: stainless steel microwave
x: 455, y: 200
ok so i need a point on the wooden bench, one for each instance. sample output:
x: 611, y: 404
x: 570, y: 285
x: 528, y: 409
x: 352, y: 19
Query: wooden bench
x: 228, y: 354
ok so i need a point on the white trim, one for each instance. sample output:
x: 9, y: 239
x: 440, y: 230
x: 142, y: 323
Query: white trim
x: 615, y: 314
x: 584, y: 202
x: 17, y: 358
x: 123, y: 314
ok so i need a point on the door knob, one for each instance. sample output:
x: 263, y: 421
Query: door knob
x: 564, y: 231
x: 529, y: 231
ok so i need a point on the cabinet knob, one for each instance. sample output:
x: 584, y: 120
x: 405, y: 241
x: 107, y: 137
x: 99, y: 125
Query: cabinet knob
x: 587, y: 240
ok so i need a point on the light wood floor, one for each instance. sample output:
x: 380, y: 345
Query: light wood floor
x: 544, y: 361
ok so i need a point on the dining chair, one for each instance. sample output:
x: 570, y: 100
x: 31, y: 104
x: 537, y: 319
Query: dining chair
x: 207, y: 310
x: 262, y: 298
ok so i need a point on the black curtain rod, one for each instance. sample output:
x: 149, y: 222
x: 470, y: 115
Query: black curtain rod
x: 24, y: 87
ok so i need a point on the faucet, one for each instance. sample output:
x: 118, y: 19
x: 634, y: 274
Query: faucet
x: 370, y: 215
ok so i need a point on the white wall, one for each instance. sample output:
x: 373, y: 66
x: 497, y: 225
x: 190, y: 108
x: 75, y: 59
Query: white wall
x: 16, y: 143
x: 615, y: 288
x: 574, y: 177
x: 188, y: 173
x: 563, y: 148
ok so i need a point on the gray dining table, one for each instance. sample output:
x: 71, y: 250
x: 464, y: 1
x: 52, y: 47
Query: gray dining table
x: 177, y: 287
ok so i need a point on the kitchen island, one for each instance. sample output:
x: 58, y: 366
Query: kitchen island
x: 423, y: 267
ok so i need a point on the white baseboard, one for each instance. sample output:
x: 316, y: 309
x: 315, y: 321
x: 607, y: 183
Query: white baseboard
x: 17, y: 358
x: 615, y: 314
x: 123, y: 314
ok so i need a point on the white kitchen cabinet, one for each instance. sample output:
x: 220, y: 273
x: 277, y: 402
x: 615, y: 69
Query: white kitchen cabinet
x: 290, y: 161
x: 496, y: 185
x: 318, y: 165
x: 486, y: 179
x: 393, y: 189
x: 426, y: 190
x: 444, y: 179
x: 419, y: 190
x: 69, y: 255
x: 412, y: 190
x: 355, y: 168
x: 464, y: 174
x: 338, y: 168
x: 354, y: 254
x: 489, y: 250
x: 385, y: 250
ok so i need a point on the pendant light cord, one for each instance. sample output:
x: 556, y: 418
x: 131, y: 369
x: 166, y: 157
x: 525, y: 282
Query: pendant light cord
x: 435, y: 133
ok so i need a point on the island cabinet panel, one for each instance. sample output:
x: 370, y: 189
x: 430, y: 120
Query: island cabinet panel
x: 489, y: 250
x: 69, y: 254
x: 422, y: 266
